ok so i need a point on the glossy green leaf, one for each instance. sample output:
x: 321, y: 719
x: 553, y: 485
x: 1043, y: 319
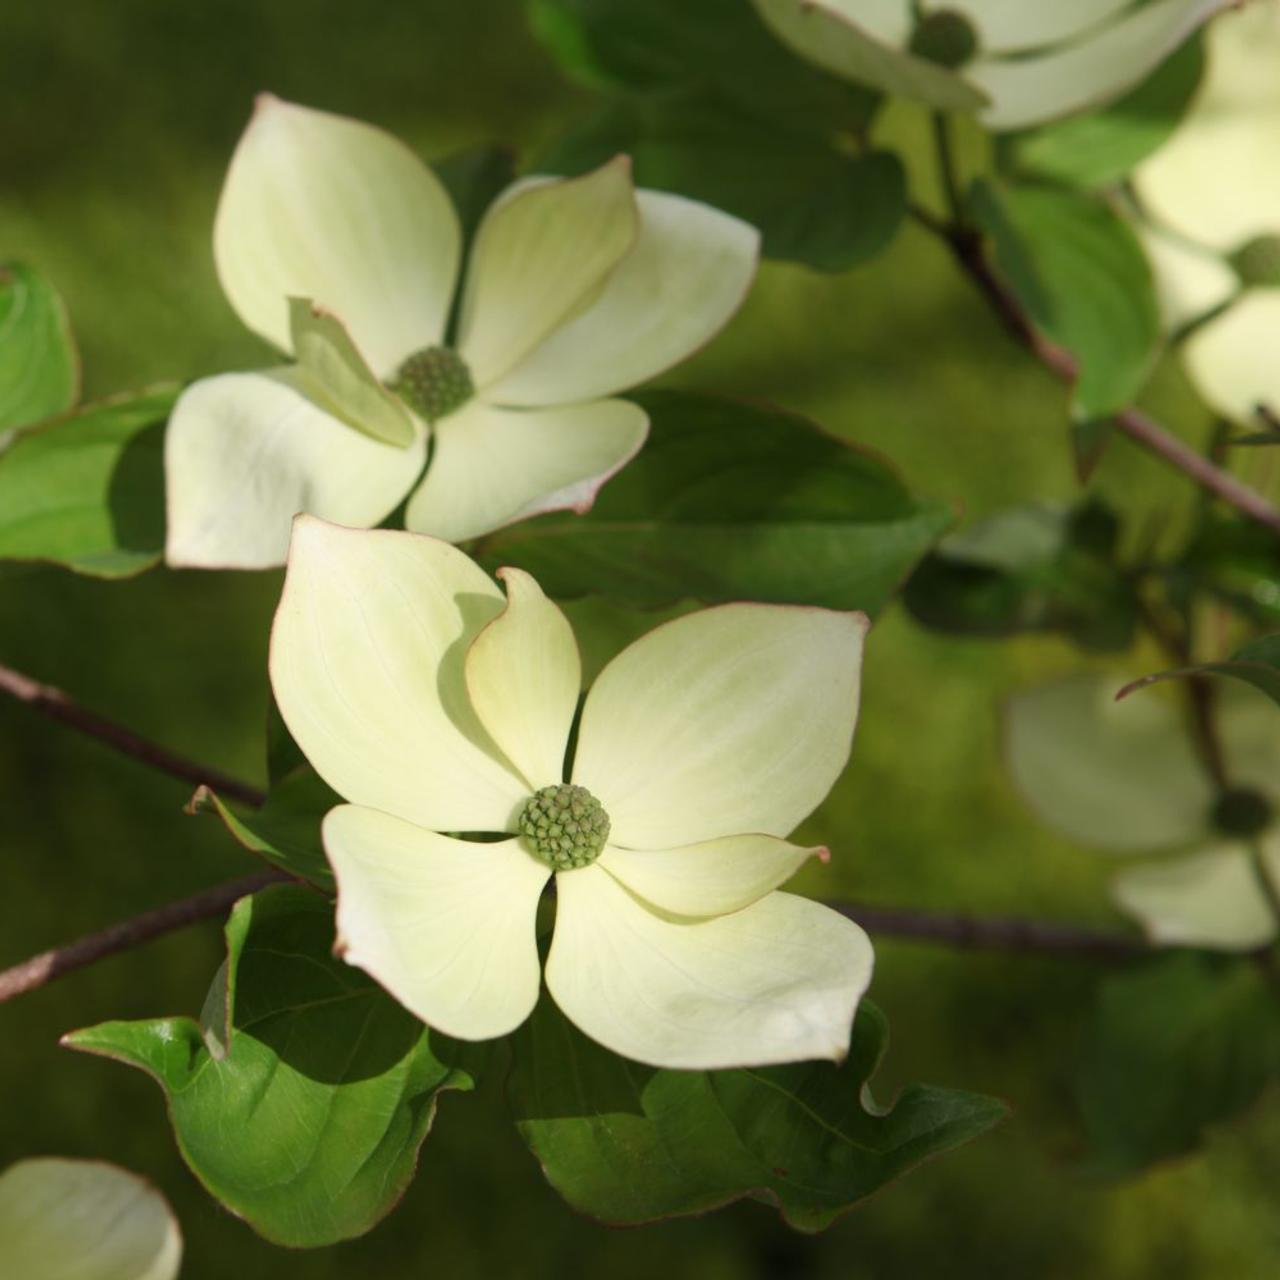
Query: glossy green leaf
x: 1176, y: 1044
x: 722, y: 45
x: 1102, y: 147
x: 732, y: 502
x: 302, y: 1100
x: 39, y: 368
x: 286, y: 830
x: 812, y: 201
x: 1083, y: 278
x: 1258, y: 664
x: 87, y: 491
x: 1032, y: 568
x: 630, y: 1144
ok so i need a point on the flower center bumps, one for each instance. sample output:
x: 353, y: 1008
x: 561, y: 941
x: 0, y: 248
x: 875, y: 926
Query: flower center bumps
x: 566, y: 826
x: 434, y: 382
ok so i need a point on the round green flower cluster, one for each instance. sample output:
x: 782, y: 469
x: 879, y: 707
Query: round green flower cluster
x: 434, y: 382
x: 565, y: 826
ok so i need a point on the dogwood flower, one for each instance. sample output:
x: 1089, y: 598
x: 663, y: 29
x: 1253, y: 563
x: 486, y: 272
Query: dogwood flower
x: 1015, y: 63
x: 339, y: 247
x: 1212, y: 195
x: 84, y: 1220
x: 435, y: 706
x: 1125, y: 776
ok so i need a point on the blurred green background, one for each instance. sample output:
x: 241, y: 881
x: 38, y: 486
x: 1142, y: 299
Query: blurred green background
x: 116, y: 123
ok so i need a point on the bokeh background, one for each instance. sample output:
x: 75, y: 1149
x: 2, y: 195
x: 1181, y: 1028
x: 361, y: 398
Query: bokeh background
x: 116, y: 124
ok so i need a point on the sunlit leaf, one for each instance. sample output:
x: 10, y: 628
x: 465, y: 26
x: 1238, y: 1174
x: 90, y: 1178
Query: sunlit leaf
x: 87, y: 491
x: 39, y: 368
x: 302, y: 1100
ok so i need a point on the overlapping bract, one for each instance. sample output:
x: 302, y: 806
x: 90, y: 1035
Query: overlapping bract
x: 337, y: 245
x: 434, y: 706
x: 1032, y: 61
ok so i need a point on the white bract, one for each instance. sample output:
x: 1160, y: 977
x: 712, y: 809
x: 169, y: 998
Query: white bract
x: 436, y: 706
x: 1015, y: 63
x: 1125, y: 776
x: 336, y: 244
x: 84, y: 1220
x: 1212, y: 197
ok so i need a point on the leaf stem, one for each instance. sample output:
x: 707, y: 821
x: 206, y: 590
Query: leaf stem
x: 947, y: 174
x: 42, y: 969
x: 968, y: 250
x: 56, y: 705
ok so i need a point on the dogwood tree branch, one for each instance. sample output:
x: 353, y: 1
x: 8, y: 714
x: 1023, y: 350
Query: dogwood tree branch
x: 42, y: 969
x: 968, y: 248
x: 994, y: 933
x: 56, y: 705
x: 944, y: 928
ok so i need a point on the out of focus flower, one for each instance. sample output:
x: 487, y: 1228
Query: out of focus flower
x: 1015, y: 63
x: 1125, y: 776
x: 1211, y: 196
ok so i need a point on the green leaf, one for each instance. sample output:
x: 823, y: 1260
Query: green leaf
x: 1175, y: 1045
x: 728, y: 502
x: 1102, y: 147
x: 39, y: 368
x: 722, y: 45
x: 628, y: 1144
x: 302, y: 1101
x: 1027, y: 569
x: 812, y: 201
x: 1258, y: 664
x: 1081, y: 275
x: 87, y: 491
x: 286, y: 830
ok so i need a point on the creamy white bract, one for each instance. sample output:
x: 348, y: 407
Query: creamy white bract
x: 336, y: 244
x: 1213, y: 188
x: 437, y: 706
x: 84, y: 1220
x: 1031, y: 61
x: 1125, y: 776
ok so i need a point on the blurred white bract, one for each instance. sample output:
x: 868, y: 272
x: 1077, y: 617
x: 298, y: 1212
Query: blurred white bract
x: 1124, y: 776
x: 1211, y: 198
x: 1015, y: 63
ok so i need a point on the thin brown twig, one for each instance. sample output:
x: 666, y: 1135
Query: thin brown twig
x: 968, y: 932
x: 55, y: 704
x: 42, y: 969
x: 968, y: 249
x: 995, y: 933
